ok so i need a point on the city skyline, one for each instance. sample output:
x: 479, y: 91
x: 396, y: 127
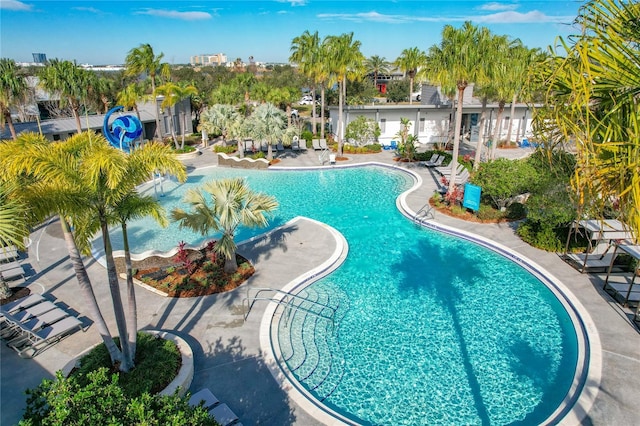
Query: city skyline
x: 102, y: 32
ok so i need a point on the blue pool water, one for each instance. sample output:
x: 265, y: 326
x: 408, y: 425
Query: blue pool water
x: 430, y: 329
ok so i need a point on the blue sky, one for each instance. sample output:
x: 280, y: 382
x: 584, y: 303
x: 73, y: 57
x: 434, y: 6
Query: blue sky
x: 102, y: 32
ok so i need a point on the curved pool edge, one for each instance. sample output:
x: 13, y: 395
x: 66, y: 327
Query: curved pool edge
x: 586, y: 381
x: 269, y: 337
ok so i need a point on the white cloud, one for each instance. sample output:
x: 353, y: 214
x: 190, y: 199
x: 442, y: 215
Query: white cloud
x: 294, y: 3
x: 508, y: 17
x: 15, y: 5
x: 493, y: 6
x: 174, y: 14
x: 89, y: 9
x: 533, y: 17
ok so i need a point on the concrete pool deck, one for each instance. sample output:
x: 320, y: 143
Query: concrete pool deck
x: 228, y: 359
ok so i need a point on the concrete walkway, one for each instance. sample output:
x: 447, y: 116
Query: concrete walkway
x: 228, y: 358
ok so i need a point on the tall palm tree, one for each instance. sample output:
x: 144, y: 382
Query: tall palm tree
x: 51, y: 184
x: 70, y: 82
x: 305, y: 53
x: 454, y: 62
x: 174, y: 93
x: 377, y: 65
x: 233, y: 204
x: 409, y: 62
x: 267, y: 123
x: 346, y: 57
x: 13, y: 88
x: 142, y: 60
x: 593, y: 83
x: 13, y: 224
x: 129, y: 97
x: 284, y: 97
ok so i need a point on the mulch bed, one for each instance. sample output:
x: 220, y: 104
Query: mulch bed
x: 17, y: 293
x: 205, y: 276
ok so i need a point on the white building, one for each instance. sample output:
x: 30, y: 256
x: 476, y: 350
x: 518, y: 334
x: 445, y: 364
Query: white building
x: 209, y: 59
x: 430, y: 118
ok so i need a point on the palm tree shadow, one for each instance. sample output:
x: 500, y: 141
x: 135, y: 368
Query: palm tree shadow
x: 442, y: 274
x: 241, y: 380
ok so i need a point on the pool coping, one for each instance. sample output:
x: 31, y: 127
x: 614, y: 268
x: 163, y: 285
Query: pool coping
x: 586, y: 381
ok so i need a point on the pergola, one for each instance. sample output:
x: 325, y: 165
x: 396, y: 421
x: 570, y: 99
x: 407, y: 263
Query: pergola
x: 626, y: 289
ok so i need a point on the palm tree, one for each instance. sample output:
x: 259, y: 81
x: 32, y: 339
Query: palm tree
x: 232, y: 204
x: 13, y: 87
x: 51, y: 185
x: 592, y: 100
x: 454, y: 62
x: 343, y: 58
x: 13, y: 225
x: 305, y: 53
x: 174, y: 93
x: 129, y: 97
x: 409, y: 62
x: 283, y: 97
x: 69, y: 81
x: 220, y: 119
x: 377, y: 65
x: 142, y: 60
x: 267, y: 123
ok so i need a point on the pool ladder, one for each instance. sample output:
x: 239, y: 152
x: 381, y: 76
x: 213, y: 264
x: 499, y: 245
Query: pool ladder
x: 426, y: 212
x: 288, y: 300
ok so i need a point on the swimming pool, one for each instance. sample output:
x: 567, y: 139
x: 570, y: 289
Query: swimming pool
x: 430, y: 329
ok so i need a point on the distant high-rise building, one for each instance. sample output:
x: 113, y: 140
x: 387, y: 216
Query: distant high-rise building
x: 208, y: 59
x: 39, y: 58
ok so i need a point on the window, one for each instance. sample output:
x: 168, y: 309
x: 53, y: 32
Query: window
x: 383, y: 125
x: 422, y: 123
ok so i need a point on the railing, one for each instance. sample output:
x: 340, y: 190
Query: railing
x: 288, y: 300
x: 324, y: 154
x: 425, y: 213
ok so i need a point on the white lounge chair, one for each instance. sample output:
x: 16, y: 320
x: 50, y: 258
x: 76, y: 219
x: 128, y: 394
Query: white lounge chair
x: 435, y: 161
x: 36, y: 341
x: 16, y: 330
x: 30, y: 312
x: 12, y: 271
x: 323, y: 144
x: 8, y: 253
x: 19, y: 304
x: 316, y: 144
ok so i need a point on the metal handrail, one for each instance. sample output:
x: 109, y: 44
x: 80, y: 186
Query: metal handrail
x: 283, y: 301
x: 427, y: 209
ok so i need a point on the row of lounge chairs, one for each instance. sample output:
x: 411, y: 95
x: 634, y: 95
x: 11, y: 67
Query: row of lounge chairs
x: 32, y: 324
x: 319, y: 144
x: 435, y: 162
x: 249, y: 145
x: 219, y: 411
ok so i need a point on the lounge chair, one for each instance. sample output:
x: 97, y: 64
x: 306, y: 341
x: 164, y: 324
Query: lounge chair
x: 332, y: 159
x: 19, y: 304
x: 279, y: 147
x: 446, y: 170
x: 205, y: 397
x: 11, y: 271
x: 45, y: 337
x: 316, y: 144
x: 303, y: 144
x: 223, y: 415
x: 248, y: 145
x: 264, y: 146
x: 323, y: 144
x: 462, y: 177
x: 435, y: 161
x: 30, y: 312
x: 15, y: 330
x: 8, y: 253
x: 295, y: 144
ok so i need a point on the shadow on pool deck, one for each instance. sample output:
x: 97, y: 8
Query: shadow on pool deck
x: 228, y: 358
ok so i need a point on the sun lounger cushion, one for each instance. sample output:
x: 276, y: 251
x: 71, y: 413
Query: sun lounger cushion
x: 23, y: 303
x: 45, y: 336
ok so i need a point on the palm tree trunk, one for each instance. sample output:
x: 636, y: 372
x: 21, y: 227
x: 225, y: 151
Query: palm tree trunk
x: 12, y: 129
x: 513, y: 113
x: 497, y: 130
x: 480, y: 145
x: 90, y: 302
x: 5, y: 290
x: 340, y: 119
x: 158, y: 136
x: 132, y: 315
x: 322, y: 101
x: 114, y: 289
x: 141, y: 137
x: 313, y: 111
x: 269, y: 152
x: 76, y: 115
x: 230, y: 264
x: 184, y: 124
x: 173, y: 130
x: 456, y: 140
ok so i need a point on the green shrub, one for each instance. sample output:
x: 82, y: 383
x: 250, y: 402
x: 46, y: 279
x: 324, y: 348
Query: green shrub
x: 157, y: 363
x: 101, y: 401
x: 257, y: 155
x: 516, y: 211
x: 503, y: 179
x: 226, y: 149
x: 307, y: 136
x: 541, y: 235
x: 487, y: 212
x: 187, y: 149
